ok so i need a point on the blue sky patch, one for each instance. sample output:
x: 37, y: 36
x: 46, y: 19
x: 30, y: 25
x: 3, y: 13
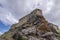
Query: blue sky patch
x: 4, y: 28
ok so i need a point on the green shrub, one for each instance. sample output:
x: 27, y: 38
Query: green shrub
x: 21, y: 38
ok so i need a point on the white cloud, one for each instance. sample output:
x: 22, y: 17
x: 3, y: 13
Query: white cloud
x: 1, y: 33
x: 45, y: 5
x: 11, y: 18
x: 6, y: 17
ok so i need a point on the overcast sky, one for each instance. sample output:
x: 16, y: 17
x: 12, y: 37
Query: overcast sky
x: 12, y: 10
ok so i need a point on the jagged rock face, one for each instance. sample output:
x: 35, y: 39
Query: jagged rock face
x: 32, y: 27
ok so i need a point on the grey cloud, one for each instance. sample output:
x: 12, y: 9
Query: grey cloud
x: 54, y: 14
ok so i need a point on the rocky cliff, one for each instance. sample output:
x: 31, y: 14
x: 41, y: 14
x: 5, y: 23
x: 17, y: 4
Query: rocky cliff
x: 32, y: 27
